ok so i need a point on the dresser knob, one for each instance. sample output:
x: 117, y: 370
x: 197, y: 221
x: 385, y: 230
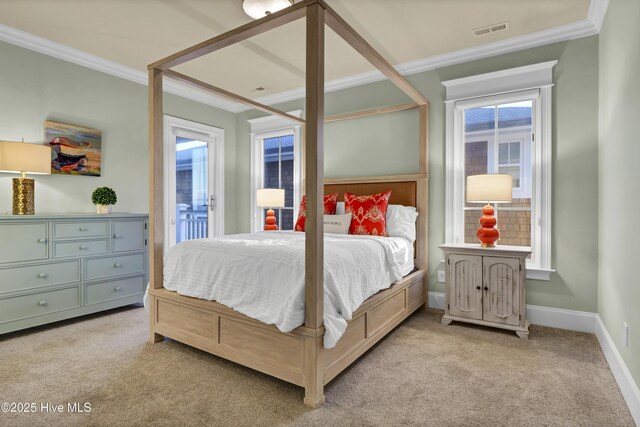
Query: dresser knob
x: 117, y: 265
x: 486, y: 288
x: 478, y: 287
x: 82, y: 229
x: 42, y: 240
x: 116, y: 236
x: 43, y: 275
x: 83, y: 248
x: 117, y: 288
x: 42, y: 303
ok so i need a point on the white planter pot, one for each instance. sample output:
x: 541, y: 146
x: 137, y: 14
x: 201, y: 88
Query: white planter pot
x: 103, y: 209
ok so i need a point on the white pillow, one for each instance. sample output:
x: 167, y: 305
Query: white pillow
x: 340, y: 208
x: 338, y: 224
x: 401, y: 222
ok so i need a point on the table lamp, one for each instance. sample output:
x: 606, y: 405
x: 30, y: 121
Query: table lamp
x: 24, y: 158
x: 489, y: 188
x: 270, y: 198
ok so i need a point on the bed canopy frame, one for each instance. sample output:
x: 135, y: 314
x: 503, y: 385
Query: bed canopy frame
x: 299, y: 356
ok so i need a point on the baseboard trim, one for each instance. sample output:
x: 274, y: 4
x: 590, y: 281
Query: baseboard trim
x: 619, y: 369
x: 580, y: 321
x: 572, y: 320
x: 436, y: 300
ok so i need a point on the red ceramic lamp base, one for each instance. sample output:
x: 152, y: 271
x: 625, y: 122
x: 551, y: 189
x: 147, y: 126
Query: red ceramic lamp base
x: 488, y: 234
x: 270, y: 221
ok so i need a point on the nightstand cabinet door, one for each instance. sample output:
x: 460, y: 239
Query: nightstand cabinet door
x: 502, y: 290
x: 465, y: 286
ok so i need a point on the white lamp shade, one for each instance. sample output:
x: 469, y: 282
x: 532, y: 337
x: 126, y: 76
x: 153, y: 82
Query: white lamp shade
x: 495, y: 187
x: 18, y: 157
x: 260, y: 8
x: 270, y: 198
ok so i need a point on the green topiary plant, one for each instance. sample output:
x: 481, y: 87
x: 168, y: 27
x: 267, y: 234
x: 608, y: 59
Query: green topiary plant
x: 104, y: 196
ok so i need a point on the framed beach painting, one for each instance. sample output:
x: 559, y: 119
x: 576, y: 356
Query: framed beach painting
x: 75, y: 150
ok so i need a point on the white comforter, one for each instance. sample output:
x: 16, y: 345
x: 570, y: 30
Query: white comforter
x: 262, y: 275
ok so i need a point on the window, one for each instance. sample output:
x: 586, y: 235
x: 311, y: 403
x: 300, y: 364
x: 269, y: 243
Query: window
x: 497, y: 139
x: 276, y: 163
x: 277, y: 152
x: 509, y: 161
x: 501, y: 123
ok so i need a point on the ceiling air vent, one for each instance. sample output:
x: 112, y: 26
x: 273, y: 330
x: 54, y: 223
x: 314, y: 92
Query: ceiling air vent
x: 494, y: 28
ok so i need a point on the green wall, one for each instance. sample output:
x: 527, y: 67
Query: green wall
x: 37, y: 87
x: 41, y: 87
x: 387, y: 144
x: 619, y: 178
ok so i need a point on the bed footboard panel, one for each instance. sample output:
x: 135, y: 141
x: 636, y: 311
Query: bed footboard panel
x: 240, y: 340
x: 216, y: 329
x: 373, y: 320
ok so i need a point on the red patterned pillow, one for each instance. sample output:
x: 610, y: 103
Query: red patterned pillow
x: 368, y: 213
x: 330, y: 202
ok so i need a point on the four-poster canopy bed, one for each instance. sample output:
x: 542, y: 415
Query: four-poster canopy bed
x: 297, y: 356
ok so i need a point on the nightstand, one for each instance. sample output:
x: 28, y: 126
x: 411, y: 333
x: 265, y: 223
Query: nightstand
x: 486, y: 286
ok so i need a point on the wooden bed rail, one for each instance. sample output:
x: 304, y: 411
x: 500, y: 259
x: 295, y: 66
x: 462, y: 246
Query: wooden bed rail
x: 370, y: 112
x: 229, y: 95
x: 236, y: 35
x: 346, y: 31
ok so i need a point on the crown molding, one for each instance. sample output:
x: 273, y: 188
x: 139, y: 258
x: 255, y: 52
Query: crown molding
x: 87, y: 60
x: 586, y: 27
x: 597, y: 12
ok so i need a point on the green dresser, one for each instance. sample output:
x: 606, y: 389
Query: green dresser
x: 55, y: 267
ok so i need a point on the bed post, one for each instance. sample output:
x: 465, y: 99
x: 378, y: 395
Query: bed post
x: 156, y: 207
x: 314, y: 190
x: 423, y: 189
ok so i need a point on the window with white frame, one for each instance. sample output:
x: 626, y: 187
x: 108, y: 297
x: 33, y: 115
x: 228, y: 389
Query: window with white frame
x: 276, y: 163
x: 501, y: 123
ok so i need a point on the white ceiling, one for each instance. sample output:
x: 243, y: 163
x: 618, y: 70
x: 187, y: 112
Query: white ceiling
x: 134, y: 33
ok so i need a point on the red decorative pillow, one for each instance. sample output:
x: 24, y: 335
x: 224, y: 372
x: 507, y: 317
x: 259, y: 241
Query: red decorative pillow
x: 368, y: 213
x: 330, y: 202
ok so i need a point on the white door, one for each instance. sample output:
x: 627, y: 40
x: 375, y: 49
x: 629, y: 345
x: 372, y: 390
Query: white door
x: 194, y: 181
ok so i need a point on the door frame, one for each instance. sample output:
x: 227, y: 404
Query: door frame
x: 215, y: 138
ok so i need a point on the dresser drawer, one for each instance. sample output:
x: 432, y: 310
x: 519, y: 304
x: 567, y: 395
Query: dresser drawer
x: 80, y: 248
x: 128, y: 236
x: 98, y: 268
x: 66, y: 230
x: 37, y: 276
x: 23, y: 242
x: 114, y: 289
x: 25, y: 306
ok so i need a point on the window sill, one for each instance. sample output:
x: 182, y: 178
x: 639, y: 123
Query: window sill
x: 539, y: 273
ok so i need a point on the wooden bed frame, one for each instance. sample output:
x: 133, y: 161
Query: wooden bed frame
x: 299, y: 356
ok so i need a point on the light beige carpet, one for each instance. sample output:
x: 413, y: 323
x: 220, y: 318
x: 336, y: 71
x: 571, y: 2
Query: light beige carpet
x: 422, y: 374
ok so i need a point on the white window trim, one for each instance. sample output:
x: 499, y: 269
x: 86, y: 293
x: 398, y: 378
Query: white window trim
x: 270, y: 127
x: 175, y: 126
x: 534, y: 82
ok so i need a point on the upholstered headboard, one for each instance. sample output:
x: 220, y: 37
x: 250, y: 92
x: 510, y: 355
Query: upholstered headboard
x: 402, y: 192
x: 407, y: 190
